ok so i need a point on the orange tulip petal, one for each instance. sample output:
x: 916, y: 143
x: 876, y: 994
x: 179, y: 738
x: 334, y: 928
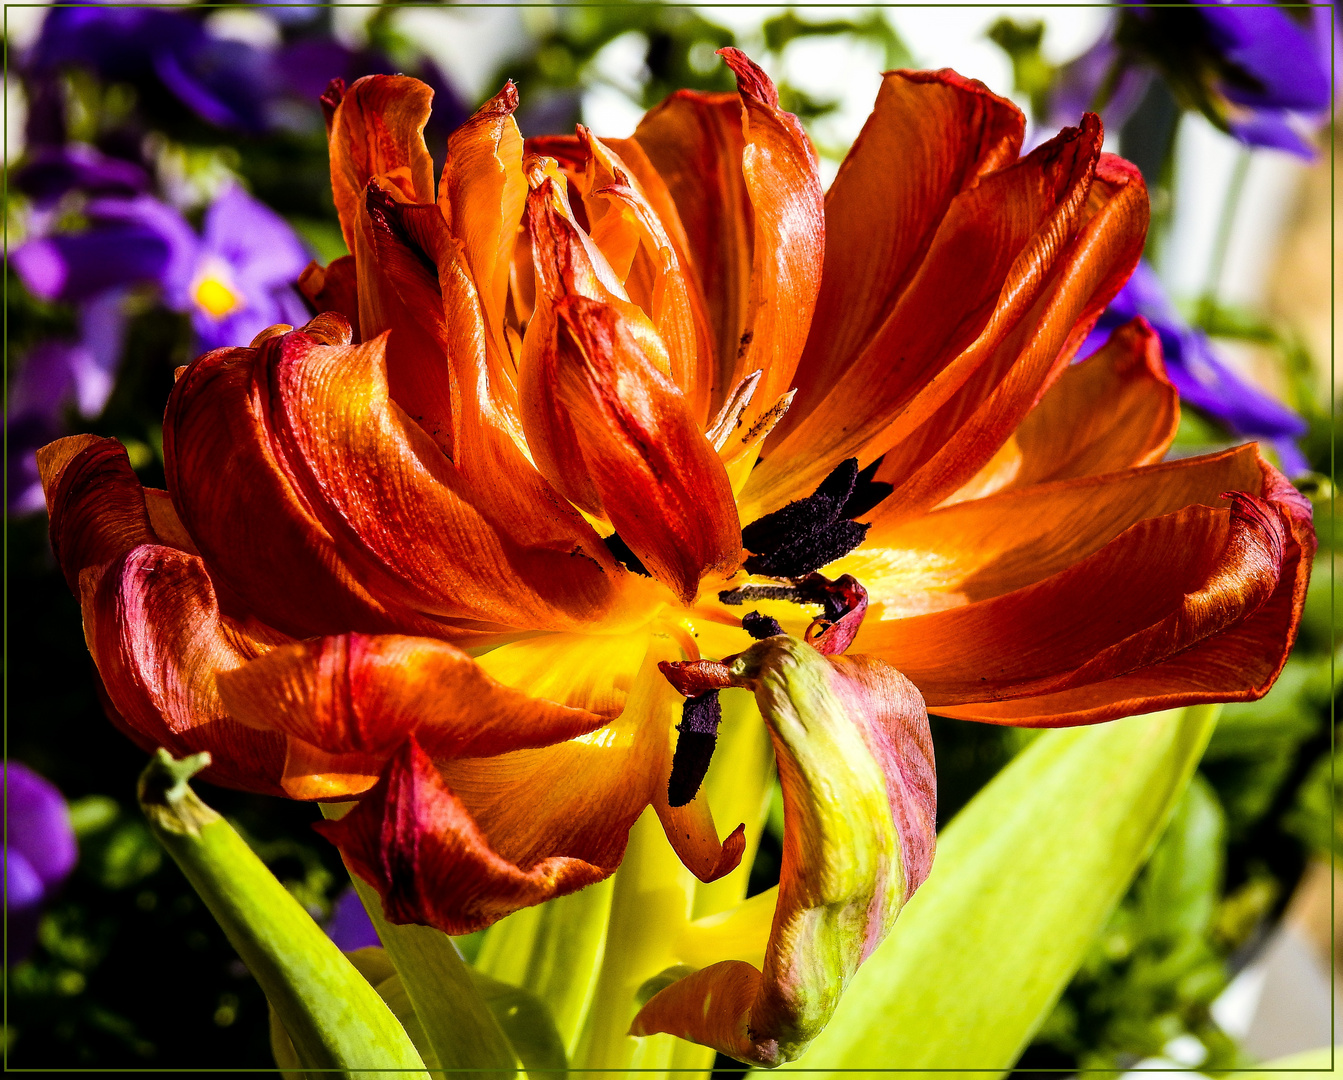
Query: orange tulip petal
x: 354, y: 694
x: 377, y: 129
x: 967, y: 430
x: 788, y: 240
x: 415, y: 841
x: 158, y: 640
x: 333, y: 288
x: 95, y: 503
x: 1115, y: 410
x: 695, y: 143
x: 616, y: 436
x: 989, y: 268
x: 982, y: 548
x: 931, y: 135
x: 1203, y: 572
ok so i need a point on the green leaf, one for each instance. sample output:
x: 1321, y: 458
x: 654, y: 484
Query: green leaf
x: 1024, y: 879
x: 335, y: 1019
x: 438, y: 982
x: 1307, y: 1065
x: 527, y: 1023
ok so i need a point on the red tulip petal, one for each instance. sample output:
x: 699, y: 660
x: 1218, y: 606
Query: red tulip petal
x: 788, y: 247
x: 965, y: 315
x: 1116, y: 410
x: 695, y: 143
x: 1204, y: 572
x: 967, y: 430
x: 855, y: 762
x: 616, y: 436
x: 377, y: 129
x: 353, y: 694
x: 931, y: 135
x: 982, y: 548
x: 158, y: 639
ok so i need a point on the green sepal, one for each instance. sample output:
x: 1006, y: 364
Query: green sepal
x: 335, y: 1019
x: 1025, y: 878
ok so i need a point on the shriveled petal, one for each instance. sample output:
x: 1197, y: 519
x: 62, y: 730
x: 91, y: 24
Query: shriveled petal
x: 1000, y: 256
x: 95, y: 503
x: 855, y: 761
x: 333, y: 288
x: 982, y: 548
x: 158, y: 639
x: 616, y: 436
x: 1164, y: 586
x: 355, y: 694
x: 931, y: 135
x: 1115, y: 410
x: 377, y: 129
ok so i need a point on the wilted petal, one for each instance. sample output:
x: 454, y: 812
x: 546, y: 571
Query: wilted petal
x: 377, y: 129
x: 616, y: 436
x: 855, y: 761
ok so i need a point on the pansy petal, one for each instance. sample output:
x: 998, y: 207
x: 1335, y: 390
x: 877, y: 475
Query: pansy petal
x: 990, y: 267
x: 855, y: 761
x: 352, y: 694
x: 981, y: 548
x: 931, y: 135
x: 1204, y: 572
x: 158, y: 639
x: 616, y: 436
x: 377, y: 129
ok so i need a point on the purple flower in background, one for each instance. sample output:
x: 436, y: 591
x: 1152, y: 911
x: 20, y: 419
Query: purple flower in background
x: 226, y: 83
x: 1201, y: 379
x: 242, y: 273
x: 349, y: 926
x: 1258, y: 71
x: 40, y: 852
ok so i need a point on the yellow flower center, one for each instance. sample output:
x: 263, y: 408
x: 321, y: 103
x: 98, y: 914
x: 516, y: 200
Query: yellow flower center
x: 214, y: 293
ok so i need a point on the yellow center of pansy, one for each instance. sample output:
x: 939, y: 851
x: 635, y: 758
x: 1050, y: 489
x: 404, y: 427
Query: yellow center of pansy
x: 215, y: 294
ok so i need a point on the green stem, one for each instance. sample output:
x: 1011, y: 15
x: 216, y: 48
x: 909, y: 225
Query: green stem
x: 1226, y: 226
x: 456, y: 1021
x: 334, y: 1018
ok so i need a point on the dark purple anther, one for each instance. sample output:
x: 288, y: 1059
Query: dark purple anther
x: 760, y: 626
x: 698, y: 734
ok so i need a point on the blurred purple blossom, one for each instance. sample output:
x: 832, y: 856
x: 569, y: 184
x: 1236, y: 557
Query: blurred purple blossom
x: 1203, y: 380
x: 40, y: 852
x: 349, y: 926
x: 1257, y: 70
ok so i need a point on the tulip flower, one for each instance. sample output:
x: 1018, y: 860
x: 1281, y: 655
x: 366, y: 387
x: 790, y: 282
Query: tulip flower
x: 594, y: 443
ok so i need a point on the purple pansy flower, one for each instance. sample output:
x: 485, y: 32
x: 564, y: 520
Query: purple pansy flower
x: 349, y: 926
x: 1200, y: 377
x: 1256, y: 70
x: 40, y: 852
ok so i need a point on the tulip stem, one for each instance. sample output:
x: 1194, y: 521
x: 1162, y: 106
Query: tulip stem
x: 334, y: 1018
